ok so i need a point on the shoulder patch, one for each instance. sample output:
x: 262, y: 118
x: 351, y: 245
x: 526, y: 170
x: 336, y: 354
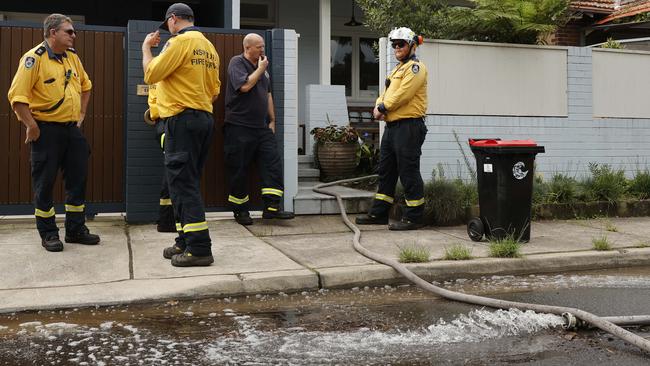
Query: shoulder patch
x: 415, y: 68
x: 165, y: 47
x: 72, y: 50
x: 40, y: 51
x: 29, y: 62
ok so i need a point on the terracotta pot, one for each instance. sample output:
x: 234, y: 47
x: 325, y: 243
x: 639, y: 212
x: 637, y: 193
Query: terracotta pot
x: 337, y: 159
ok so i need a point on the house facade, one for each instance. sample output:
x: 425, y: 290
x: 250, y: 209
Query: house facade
x: 595, y: 21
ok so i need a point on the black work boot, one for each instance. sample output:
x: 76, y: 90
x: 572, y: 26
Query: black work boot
x: 243, y: 218
x: 405, y: 224
x: 186, y: 259
x: 282, y: 215
x: 52, y: 243
x: 83, y: 236
x: 371, y: 220
x: 169, y: 252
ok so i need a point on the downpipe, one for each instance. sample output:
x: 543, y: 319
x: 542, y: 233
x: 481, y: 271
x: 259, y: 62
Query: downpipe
x: 573, y: 318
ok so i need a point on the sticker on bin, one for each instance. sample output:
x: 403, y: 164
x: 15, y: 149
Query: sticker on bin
x: 487, y: 168
x: 518, y: 170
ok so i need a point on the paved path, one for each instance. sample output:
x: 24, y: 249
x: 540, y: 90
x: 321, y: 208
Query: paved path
x: 304, y: 254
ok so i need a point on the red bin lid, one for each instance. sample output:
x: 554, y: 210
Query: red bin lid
x: 502, y: 143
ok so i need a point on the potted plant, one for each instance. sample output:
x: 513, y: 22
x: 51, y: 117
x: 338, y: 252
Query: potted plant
x: 336, y: 149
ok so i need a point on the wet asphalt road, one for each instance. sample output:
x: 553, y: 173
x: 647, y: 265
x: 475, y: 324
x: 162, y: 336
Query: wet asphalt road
x: 362, y: 326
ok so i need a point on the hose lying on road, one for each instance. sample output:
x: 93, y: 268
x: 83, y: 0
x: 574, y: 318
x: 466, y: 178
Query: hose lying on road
x: 566, y: 312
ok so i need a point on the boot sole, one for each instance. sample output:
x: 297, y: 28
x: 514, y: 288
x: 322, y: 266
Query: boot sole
x: 415, y: 227
x: 202, y: 262
x: 372, y: 223
x: 58, y: 248
x: 278, y: 218
x: 72, y: 241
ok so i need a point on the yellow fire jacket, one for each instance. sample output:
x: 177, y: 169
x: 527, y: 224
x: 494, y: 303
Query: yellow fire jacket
x: 405, y: 95
x: 186, y: 73
x: 50, y: 84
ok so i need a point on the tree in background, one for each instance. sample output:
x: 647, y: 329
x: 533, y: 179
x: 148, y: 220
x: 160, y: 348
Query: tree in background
x: 426, y: 17
x: 507, y: 21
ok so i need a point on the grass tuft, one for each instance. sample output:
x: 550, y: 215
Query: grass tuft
x: 601, y: 243
x: 507, y: 247
x: 609, y: 226
x: 457, y: 252
x: 414, y: 254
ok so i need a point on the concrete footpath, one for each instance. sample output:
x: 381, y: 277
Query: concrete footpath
x: 271, y: 256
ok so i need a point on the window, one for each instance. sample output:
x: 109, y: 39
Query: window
x: 257, y: 14
x: 355, y: 64
x: 341, y: 64
x: 368, y: 68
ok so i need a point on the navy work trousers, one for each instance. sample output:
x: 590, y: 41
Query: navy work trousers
x: 242, y: 146
x: 188, y: 136
x: 399, y: 157
x: 60, y: 146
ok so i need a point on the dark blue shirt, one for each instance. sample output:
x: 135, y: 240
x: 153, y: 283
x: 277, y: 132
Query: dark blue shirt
x: 248, y: 109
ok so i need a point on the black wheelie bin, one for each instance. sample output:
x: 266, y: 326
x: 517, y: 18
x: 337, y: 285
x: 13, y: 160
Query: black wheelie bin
x: 505, y: 172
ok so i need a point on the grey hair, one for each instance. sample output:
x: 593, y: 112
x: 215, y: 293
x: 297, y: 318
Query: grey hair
x: 54, y: 21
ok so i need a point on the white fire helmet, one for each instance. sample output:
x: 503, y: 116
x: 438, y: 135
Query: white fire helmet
x: 404, y: 34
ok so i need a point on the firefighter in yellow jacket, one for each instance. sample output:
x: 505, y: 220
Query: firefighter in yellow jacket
x: 49, y: 94
x: 403, y: 106
x: 186, y: 74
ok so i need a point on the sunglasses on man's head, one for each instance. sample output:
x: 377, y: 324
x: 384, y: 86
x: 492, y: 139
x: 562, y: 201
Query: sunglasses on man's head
x: 70, y: 31
x: 398, y: 44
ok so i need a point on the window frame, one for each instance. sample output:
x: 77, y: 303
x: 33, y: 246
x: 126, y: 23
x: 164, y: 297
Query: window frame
x: 355, y: 95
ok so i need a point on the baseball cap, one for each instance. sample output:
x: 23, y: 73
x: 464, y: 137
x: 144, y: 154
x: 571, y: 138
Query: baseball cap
x: 176, y: 9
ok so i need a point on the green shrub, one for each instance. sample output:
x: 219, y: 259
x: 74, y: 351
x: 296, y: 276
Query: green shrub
x: 562, y: 189
x: 605, y: 184
x: 613, y: 44
x: 507, y: 247
x: 601, y: 243
x: 540, y: 189
x: 457, y: 252
x: 368, y: 157
x: 414, y: 254
x: 639, y: 186
x: 469, y: 192
x: 447, y: 199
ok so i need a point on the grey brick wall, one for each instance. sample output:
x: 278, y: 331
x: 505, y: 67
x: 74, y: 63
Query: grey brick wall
x: 284, y: 69
x: 571, y: 142
x: 144, y: 160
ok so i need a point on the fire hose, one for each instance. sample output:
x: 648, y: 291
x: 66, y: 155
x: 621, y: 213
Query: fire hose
x: 573, y: 317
